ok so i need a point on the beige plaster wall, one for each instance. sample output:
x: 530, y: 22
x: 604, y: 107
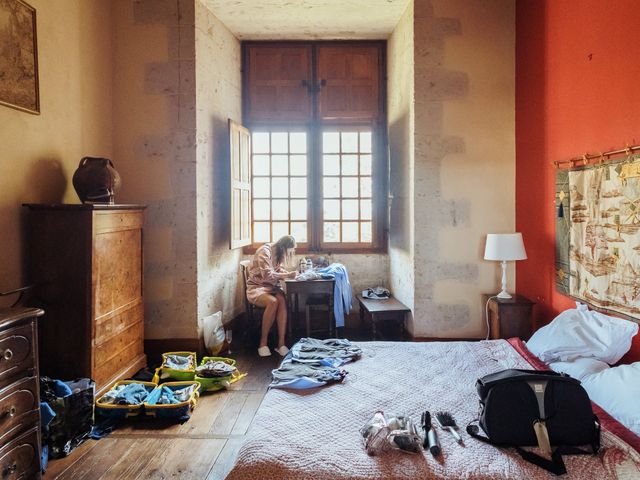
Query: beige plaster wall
x: 218, y: 98
x: 400, y: 112
x: 155, y: 151
x: 464, y: 157
x: 41, y: 152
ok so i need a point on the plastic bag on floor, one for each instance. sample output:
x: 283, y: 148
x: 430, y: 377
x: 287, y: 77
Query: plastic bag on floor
x: 72, y: 403
x: 213, y: 332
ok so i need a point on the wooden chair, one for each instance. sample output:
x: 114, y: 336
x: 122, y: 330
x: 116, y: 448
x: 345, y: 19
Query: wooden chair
x: 251, y: 310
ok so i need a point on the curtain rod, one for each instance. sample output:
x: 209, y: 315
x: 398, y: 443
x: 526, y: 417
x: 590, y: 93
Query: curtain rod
x: 586, y: 158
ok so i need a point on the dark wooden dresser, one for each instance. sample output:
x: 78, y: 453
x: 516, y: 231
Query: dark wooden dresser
x: 86, y: 263
x: 19, y: 394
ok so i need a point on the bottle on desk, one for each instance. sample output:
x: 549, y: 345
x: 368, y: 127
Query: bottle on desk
x: 309, y: 264
x: 302, y: 265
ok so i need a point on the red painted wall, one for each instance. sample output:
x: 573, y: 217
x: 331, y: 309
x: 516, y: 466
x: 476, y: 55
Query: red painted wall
x: 577, y: 90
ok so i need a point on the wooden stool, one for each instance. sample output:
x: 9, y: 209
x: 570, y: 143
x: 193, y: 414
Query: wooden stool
x: 383, y: 310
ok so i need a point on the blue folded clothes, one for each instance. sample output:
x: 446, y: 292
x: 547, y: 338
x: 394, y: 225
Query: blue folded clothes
x: 130, y: 394
x: 61, y: 388
x: 46, y: 414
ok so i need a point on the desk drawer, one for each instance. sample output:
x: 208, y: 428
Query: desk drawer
x: 16, y: 351
x: 18, y: 407
x: 20, y: 458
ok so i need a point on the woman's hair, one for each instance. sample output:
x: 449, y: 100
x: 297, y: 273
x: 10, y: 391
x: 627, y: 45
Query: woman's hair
x: 282, y: 247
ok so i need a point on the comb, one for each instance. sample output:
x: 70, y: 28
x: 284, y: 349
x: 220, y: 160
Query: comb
x: 447, y: 422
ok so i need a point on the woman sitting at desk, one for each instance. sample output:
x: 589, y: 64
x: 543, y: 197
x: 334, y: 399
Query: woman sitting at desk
x: 263, y: 288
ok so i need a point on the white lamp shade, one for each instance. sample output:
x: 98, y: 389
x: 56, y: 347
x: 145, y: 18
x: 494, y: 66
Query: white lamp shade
x: 504, y: 246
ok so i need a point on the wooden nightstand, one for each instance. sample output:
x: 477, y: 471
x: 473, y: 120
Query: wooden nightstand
x: 509, y: 317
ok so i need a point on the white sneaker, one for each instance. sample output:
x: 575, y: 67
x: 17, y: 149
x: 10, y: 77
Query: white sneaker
x: 264, y: 351
x: 283, y: 350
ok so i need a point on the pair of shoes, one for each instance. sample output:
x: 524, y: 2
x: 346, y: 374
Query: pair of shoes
x: 283, y: 350
x: 264, y: 351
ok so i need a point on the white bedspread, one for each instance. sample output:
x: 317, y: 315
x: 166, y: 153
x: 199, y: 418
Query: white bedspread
x: 314, y: 434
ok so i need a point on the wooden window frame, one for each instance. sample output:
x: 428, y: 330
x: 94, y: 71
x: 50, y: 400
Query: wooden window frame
x: 314, y: 128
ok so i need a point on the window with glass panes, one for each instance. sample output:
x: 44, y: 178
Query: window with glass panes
x: 316, y: 112
x: 347, y: 187
x: 279, y: 190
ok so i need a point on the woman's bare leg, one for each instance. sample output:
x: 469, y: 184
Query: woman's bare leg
x: 270, y: 305
x: 281, y: 319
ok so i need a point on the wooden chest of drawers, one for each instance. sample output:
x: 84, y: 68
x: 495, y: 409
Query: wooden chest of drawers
x: 86, y: 263
x: 19, y: 394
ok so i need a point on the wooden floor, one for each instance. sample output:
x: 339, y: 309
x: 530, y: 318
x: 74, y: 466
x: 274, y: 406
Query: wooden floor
x: 205, y: 447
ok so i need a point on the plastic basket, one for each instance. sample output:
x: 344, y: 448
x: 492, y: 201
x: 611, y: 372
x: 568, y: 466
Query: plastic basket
x: 218, y: 383
x: 122, y: 411
x: 174, y: 410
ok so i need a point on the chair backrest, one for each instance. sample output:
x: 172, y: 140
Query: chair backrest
x: 245, y: 264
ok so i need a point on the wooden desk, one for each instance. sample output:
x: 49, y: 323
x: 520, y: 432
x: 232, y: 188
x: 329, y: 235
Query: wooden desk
x: 293, y: 289
x: 380, y: 310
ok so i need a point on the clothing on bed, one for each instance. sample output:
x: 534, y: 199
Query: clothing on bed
x: 341, y: 290
x: 296, y: 375
x: 333, y: 351
x: 313, y: 363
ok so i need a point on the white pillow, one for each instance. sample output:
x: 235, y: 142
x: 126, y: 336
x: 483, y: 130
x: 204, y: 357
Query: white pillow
x: 617, y: 390
x: 579, y: 368
x: 582, y: 333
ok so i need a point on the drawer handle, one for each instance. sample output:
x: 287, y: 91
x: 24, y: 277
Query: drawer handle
x: 8, y: 354
x: 11, y: 468
x: 12, y: 411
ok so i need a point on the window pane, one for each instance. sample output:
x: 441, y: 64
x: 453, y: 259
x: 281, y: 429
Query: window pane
x: 365, y: 164
x: 280, y: 229
x: 350, y: 209
x: 349, y: 231
x: 331, y: 187
x: 365, y: 232
x: 279, y: 165
x: 331, y: 232
x: 298, y: 209
x: 365, y: 209
x: 261, y: 187
x: 350, y: 142
x: 279, y: 142
x: 261, y: 209
x: 261, y: 164
x: 365, y: 142
x: 298, y: 164
x: 279, y: 187
x: 261, y: 232
x: 299, y: 231
x: 298, y: 188
x: 349, y: 165
x: 280, y: 210
x: 298, y: 142
x: 260, y: 142
x: 331, y: 165
x: 365, y: 187
x: 331, y: 142
x: 331, y: 210
x: 349, y: 187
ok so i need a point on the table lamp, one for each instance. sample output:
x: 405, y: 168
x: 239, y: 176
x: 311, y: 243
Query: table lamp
x: 504, y: 247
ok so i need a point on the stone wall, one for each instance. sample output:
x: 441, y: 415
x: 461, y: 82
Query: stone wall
x: 400, y: 113
x: 218, y: 98
x: 155, y: 151
x: 464, y: 157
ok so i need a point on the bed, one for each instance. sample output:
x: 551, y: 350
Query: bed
x: 314, y: 434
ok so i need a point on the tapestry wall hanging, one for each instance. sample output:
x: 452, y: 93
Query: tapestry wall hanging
x: 604, y: 235
x: 18, y: 56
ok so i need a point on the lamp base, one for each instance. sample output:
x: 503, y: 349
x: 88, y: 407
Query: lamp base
x: 504, y: 294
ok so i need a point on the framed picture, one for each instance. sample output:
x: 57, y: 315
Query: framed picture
x: 18, y: 56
